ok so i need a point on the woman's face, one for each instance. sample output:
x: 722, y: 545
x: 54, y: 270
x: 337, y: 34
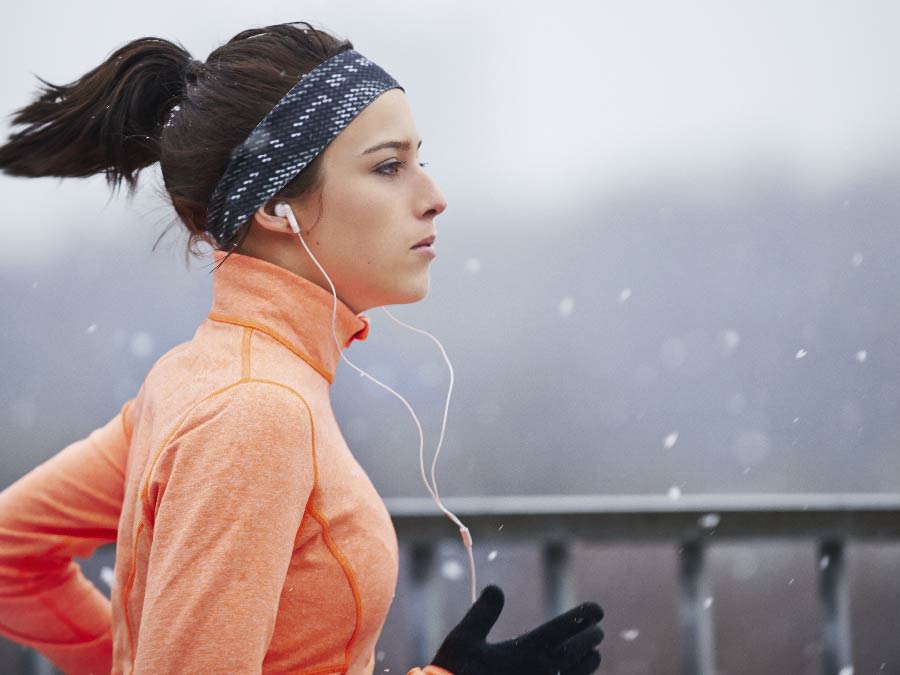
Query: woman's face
x: 376, y: 203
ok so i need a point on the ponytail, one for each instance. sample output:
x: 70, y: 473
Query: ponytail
x: 108, y: 120
x: 150, y: 101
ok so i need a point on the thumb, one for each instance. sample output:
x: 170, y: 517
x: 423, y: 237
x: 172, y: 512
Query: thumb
x: 482, y: 615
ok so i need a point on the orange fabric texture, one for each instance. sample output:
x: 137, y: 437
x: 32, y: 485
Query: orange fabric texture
x: 248, y: 538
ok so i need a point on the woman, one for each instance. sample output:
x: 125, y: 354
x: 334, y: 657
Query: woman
x: 248, y: 538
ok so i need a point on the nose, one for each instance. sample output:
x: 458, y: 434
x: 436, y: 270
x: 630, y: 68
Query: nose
x: 435, y: 200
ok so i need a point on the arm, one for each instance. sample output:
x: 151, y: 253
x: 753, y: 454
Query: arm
x: 67, y: 506
x: 231, y: 488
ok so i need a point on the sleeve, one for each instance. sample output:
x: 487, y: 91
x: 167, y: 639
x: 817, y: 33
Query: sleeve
x: 67, y: 506
x: 230, y: 490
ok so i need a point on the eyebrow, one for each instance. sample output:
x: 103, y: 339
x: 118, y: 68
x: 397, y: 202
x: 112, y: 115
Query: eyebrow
x: 403, y: 145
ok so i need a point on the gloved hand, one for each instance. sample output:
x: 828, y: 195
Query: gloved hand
x: 563, y: 645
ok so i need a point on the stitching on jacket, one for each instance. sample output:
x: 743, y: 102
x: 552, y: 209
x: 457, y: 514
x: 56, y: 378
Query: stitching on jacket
x: 348, y: 572
x: 245, y: 353
x: 25, y: 639
x: 144, y: 490
x: 124, y: 414
x: 213, y: 316
x: 126, y: 592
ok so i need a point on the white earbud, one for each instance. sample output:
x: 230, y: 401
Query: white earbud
x: 282, y: 209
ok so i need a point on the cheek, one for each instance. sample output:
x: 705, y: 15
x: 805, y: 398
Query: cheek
x: 383, y: 251
x: 367, y: 216
x: 366, y: 250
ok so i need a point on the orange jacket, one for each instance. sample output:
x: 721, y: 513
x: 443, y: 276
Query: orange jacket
x: 248, y: 538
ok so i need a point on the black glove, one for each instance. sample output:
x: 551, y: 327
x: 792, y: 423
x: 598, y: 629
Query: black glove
x: 563, y: 645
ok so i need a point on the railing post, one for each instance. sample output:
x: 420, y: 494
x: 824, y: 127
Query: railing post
x: 834, y: 595
x: 40, y: 665
x: 559, y: 591
x: 427, y: 623
x: 695, y: 613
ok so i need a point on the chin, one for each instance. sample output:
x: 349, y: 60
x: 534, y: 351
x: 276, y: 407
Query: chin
x: 414, y: 293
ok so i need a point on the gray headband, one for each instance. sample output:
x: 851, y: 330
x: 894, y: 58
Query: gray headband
x: 289, y: 137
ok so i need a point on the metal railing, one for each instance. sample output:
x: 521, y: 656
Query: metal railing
x: 693, y: 523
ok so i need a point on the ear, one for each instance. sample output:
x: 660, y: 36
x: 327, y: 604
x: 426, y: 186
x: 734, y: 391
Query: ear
x: 265, y: 217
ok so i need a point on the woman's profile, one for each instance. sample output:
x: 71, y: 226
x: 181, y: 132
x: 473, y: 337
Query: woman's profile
x: 248, y: 538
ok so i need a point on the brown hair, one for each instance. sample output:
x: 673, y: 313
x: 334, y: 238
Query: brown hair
x: 151, y: 101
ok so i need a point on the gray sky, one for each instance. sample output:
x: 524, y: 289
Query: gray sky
x: 668, y: 267
x: 652, y: 213
x: 538, y: 104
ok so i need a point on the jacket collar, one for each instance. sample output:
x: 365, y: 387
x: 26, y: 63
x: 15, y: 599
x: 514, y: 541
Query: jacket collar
x: 248, y: 291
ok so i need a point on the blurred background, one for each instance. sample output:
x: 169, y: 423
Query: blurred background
x: 668, y: 270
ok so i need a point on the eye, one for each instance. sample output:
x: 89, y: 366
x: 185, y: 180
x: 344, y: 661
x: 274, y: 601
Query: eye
x: 392, y: 165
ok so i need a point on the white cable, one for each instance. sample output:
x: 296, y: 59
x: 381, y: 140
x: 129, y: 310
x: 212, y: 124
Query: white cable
x: 283, y: 209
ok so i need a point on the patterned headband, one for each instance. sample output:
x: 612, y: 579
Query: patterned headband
x: 289, y: 137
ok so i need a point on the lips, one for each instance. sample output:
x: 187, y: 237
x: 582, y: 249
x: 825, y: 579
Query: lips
x: 427, y: 241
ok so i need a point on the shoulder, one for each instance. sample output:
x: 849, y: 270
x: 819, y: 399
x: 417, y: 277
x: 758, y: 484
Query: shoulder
x: 251, y: 414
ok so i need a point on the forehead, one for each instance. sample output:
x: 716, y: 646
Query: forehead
x: 385, y: 118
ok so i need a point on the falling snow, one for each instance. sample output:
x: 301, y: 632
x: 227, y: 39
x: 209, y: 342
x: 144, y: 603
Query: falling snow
x: 800, y: 353
x: 107, y: 575
x: 142, y: 344
x: 492, y: 555
x: 172, y: 115
x: 473, y: 265
x: 674, y: 492
x: 630, y: 635
x: 92, y: 328
x: 566, y: 305
x: 452, y: 570
x: 707, y: 603
x: 710, y: 520
x: 671, y: 440
x: 625, y: 294
x: 729, y: 340
x: 861, y: 355
x: 857, y: 259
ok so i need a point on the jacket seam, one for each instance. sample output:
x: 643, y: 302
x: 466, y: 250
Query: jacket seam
x: 143, y: 494
x: 350, y: 575
x: 123, y: 413
x: 245, y: 352
x: 275, y: 335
